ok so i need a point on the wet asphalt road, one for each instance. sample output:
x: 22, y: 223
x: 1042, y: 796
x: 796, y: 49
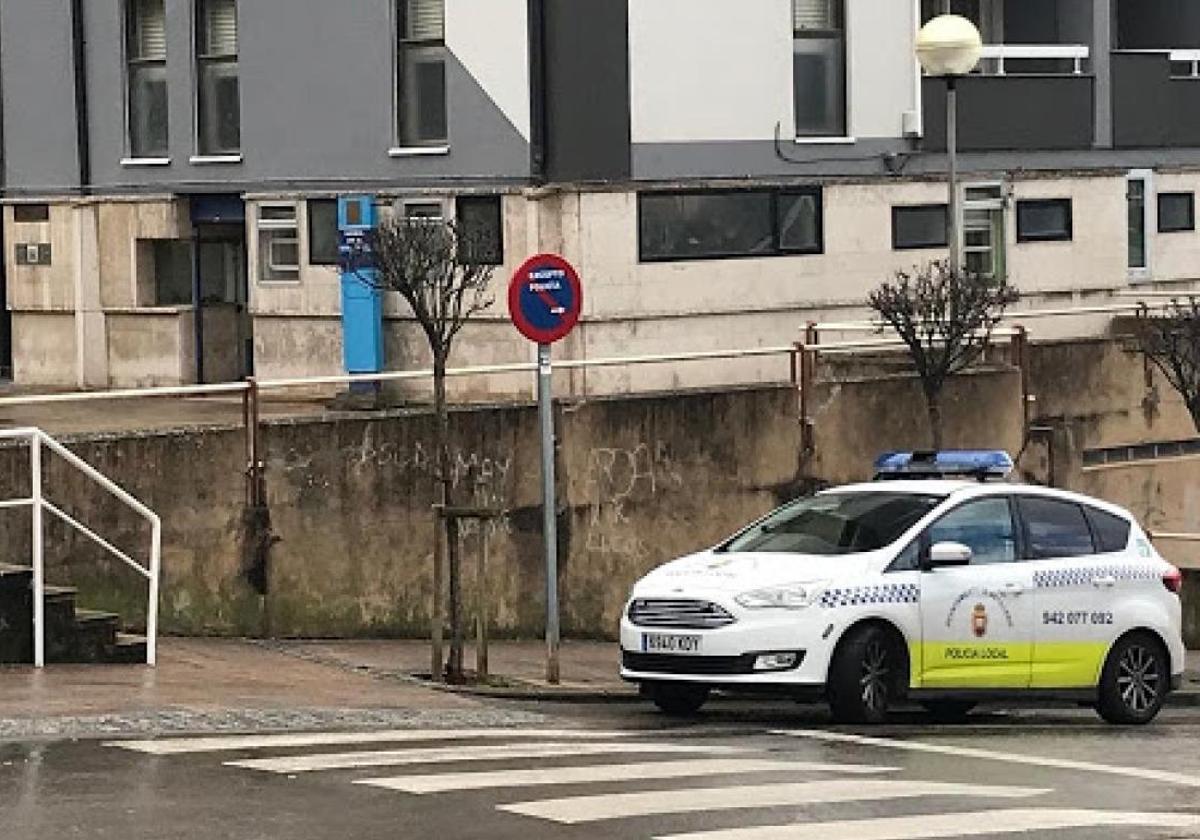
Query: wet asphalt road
x: 1056, y: 774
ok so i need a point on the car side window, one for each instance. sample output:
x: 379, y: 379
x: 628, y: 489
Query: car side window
x: 1111, y: 533
x: 1054, y: 528
x: 984, y: 525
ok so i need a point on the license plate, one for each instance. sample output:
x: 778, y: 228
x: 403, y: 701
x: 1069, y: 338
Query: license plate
x: 669, y: 643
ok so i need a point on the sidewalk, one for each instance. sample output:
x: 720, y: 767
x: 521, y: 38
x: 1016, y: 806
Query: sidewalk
x: 222, y: 685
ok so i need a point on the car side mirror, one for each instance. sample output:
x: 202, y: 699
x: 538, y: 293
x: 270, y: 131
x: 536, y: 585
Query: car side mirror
x: 946, y: 554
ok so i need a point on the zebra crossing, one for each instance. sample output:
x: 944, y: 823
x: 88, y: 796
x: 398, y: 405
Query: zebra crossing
x: 618, y: 782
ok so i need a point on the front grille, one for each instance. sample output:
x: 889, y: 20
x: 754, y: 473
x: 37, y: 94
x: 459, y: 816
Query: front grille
x: 666, y: 663
x: 682, y: 614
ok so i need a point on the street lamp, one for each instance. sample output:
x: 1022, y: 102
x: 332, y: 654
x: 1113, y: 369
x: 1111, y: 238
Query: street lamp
x: 950, y: 46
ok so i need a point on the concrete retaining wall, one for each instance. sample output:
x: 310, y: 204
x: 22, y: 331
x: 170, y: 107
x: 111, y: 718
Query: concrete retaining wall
x: 642, y: 480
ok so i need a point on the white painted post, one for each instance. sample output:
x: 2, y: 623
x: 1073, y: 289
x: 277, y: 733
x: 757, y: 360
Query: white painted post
x: 39, y: 572
x: 152, y: 606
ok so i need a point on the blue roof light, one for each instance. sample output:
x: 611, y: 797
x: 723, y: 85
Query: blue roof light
x: 962, y: 463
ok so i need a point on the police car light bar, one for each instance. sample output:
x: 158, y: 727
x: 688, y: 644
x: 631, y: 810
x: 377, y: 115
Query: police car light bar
x: 980, y: 464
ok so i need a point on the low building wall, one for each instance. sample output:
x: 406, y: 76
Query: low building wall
x: 641, y: 480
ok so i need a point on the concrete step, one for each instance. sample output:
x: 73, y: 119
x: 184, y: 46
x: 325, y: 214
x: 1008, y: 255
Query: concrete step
x: 130, y: 649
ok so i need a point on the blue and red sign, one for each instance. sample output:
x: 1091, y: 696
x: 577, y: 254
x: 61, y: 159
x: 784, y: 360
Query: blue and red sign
x: 545, y: 298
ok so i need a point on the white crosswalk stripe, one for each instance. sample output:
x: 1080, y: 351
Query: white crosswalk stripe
x: 232, y: 743
x: 599, y: 773
x: 697, y: 774
x: 431, y: 755
x: 928, y: 826
x: 581, y: 809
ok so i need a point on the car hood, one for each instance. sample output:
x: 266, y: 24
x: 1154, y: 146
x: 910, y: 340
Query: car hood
x: 732, y: 572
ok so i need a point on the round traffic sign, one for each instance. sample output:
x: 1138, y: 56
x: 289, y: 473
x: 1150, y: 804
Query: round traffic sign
x: 545, y: 298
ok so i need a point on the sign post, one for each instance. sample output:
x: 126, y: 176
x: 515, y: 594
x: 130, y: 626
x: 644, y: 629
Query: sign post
x: 545, y: 298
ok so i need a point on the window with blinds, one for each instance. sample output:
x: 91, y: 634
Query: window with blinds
x: 819, y: 67
x: 218, y: 95
x: 816, y: 15
x: 220, y: 27
x: 146, y: 78
x: 421, y: 108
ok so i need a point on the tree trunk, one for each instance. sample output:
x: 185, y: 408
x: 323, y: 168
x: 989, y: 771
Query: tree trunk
x: 933, y: 405
x: 441, y: 446
x: 1194, y: 408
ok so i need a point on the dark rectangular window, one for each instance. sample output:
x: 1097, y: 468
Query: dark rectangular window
x: 421, y: 74
x: 480, y: 229
x: 819, y: 67
x: 920, y: 226
x: 323, y: 232
x: 146, y: 78
x: 1054, y: 528
x: 734, y: 223
x: 1176, y: 212
x: 1135, y: 199
x: 218, y: 96
x: 1110, y: 533
x: 1044, y: 220
x: 31, y: 213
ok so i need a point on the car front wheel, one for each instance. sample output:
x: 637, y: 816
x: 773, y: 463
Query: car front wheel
x: 866, y: 675
x: 1134, y: 682
x: 678, y: 700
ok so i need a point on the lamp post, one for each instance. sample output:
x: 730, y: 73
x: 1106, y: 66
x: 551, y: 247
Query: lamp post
x: 950, y: 46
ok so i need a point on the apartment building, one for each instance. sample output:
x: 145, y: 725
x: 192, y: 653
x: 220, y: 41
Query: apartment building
x: 719, y: 172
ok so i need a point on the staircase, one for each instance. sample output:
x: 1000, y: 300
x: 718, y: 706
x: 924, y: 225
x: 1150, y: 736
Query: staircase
x: 73, y: 635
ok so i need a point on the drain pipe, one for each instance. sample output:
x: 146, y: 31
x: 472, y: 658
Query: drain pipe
x: 82, y: 138
x: 537, y: 91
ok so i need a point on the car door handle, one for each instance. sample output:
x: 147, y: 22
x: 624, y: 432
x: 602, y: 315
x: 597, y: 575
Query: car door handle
x: 1013, y: 588
x: 1106, y: 582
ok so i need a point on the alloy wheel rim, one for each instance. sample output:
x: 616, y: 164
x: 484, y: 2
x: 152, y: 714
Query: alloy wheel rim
x: 1138, y: 679
x: 875, y: 672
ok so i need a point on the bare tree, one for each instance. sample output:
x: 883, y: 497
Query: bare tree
x: 1170, y: 338
x: 443, y: 271
x: 946, y: 319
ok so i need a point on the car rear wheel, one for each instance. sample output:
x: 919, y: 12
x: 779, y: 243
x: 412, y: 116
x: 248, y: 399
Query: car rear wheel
x: 678, y: 700
x: 949, y: 711
x: 1134, y: 682
x: 866, y: 675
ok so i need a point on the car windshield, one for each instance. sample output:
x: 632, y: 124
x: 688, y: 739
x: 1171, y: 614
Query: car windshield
x: 836, y: 523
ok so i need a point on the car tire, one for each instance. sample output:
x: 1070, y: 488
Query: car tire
x: 949, y: 711
x: 866, y: 676
x: 1134, y: 682
x: 678, y: 700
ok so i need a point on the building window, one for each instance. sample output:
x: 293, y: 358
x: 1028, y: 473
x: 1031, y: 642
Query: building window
x: 983, y: 231
x: 31, y: 213
x: 819, y: 67
x: 1137, y: 189
x: 1044, y: 220
x: 172, y: 271
x: 426, y: 211
x: 1176, y: 212
x: 421, y: 74
x: 480, y: 229
x: 744, y: 223
x: 278, y: 244
x: 323, y: 238
x: 218, y: 98
x: 919, y: 226
x: 146, y: 78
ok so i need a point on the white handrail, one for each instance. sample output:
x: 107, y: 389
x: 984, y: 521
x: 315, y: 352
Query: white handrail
x: 37, y: 439
x: 1000, y: 53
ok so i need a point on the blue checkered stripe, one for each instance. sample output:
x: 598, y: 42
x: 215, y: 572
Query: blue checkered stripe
x: 863, y: 596
x: 1082, y: 576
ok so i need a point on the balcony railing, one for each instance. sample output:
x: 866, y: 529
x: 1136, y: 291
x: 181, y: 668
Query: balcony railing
x: 996, y: 57
x: 1185, y: 64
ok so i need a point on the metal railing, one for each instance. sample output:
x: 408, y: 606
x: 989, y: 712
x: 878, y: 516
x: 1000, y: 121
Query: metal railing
x: 39, y: 504
x: 1003, y: 53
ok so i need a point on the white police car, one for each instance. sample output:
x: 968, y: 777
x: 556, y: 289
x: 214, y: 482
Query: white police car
x: 943, y: 591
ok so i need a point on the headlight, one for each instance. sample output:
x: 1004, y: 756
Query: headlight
x: 792, y: 596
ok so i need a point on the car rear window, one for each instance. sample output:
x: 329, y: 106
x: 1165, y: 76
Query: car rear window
x: 836, y: 523
x: 1055, y: 528
x: 1111, y: 532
